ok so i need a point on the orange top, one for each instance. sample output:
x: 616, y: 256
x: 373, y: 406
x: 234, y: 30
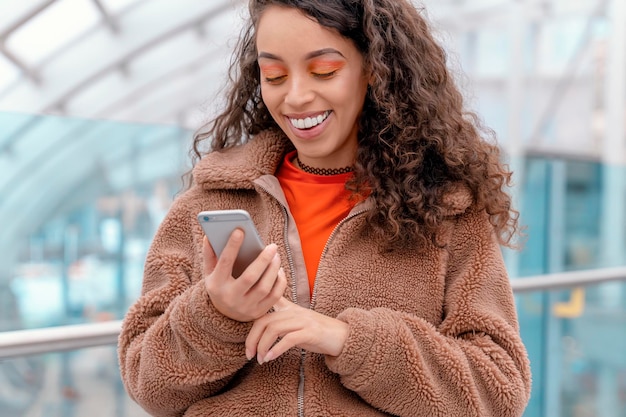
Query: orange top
x: 318, y: 203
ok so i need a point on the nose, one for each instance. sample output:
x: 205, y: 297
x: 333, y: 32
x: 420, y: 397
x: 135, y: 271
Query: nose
x: 300, y: 91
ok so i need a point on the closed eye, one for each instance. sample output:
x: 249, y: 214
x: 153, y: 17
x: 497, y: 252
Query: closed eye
x: 275, y: 80
x: 325, y: 75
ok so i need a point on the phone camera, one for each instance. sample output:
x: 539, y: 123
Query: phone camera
x: 206, y: 218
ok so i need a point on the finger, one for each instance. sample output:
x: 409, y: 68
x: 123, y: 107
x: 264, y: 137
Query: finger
x: 257, y: 329
x: 277, y: 292
x: 224, y: 265
x: 265, y: 301
x: 264, y: 285
x: 273, y: 331
x: 254, y: 335
x: 208, y: 254
x: 283, y: 345
x: 266, y: 266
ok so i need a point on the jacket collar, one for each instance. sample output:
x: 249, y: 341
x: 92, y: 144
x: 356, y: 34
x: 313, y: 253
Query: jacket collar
x: 237, y: 167
x: 457, y: 199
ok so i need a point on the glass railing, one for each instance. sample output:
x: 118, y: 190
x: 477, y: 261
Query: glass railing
x: 576, y: 343
x: 576, y: 339
x: 77, y: 383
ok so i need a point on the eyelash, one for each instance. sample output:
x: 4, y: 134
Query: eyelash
x: 277, y: 80
x: 325, y: 75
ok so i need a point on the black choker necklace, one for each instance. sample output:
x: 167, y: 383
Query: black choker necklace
x: 323, y: 171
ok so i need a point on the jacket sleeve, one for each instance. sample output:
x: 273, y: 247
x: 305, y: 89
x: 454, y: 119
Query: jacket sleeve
x: 472, y: 364
x: 175, y: 347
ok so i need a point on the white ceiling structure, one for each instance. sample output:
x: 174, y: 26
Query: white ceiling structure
x: 154, y: 61
x: 164, y: 61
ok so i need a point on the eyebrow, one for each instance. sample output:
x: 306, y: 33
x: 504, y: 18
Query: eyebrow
x: 310, y: 55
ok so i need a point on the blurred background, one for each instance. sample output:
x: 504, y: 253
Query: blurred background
x: 98, y: 103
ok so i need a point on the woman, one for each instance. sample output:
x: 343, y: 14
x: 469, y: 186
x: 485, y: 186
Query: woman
x: 382, y: 290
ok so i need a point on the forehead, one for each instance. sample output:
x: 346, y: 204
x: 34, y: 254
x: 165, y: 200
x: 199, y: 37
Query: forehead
x: 282, y: 27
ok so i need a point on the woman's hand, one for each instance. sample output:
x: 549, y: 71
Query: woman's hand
x: 291, y: 325
x: 250, y: 295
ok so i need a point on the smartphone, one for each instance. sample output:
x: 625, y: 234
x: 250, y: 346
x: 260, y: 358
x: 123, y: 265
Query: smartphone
x: 219, y: 224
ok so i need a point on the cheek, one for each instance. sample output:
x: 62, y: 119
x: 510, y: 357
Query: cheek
x: 268, y: 98
x: 349, y: 94
x: 340, y: 92
x: 272, y: 102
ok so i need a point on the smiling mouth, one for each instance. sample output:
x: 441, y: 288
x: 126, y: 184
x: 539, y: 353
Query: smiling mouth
x: 309, y: 122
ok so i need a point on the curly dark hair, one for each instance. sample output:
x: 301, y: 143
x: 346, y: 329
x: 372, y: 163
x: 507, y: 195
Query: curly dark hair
x: 416, y: 140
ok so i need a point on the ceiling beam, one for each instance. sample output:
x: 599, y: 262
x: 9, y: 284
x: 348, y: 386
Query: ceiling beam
x: 30, y: 73
x: 4, y: 35
x: 109, y: 20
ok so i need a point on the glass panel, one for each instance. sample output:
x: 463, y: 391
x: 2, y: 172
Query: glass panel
x: 492, y: 49
x: 560, y: 41
x: 70, y: 384
x: 588, y: 341
x: 90, y: 197
x: 577, y: 7
x: 574, y: 214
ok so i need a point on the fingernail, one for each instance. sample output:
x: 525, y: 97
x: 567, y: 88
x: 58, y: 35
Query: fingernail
x: 269, y: 356
x: 248, y: 354
x: 259, y: 359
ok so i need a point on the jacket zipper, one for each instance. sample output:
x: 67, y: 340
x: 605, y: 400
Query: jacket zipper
x: 294, y: 292
x: 294, y: 297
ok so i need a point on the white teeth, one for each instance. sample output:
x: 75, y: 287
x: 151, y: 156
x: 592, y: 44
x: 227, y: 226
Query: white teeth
x: 309, y: 122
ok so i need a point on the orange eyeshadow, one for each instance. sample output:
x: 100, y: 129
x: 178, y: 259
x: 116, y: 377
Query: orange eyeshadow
x: 323, y: 66
x: 271, y: 71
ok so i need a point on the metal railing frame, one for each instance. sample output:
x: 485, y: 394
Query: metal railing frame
x: 21, y: 343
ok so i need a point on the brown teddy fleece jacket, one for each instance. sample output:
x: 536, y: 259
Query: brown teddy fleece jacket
x: 432, y: 333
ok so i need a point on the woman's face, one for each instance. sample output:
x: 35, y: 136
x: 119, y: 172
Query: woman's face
x: 313, y: 83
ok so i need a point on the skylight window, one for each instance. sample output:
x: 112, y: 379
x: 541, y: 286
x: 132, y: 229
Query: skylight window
x: 8, y: 73
x: 11, y: 11
x: 54, y: 27
x: 116, y: 6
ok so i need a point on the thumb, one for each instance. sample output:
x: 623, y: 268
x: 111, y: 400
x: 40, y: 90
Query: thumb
x: 208, y: 254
